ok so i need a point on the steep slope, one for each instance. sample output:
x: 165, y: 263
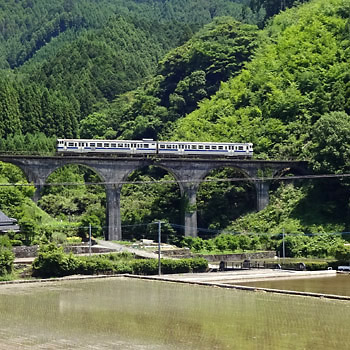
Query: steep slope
x: 71, y: 57
x: 185, y: 76
x: 299, y: 73
x: 27, y: 26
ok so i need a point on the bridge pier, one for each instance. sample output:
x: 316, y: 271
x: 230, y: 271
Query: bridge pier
x: 262, y: 194
x: 38, y: 192
x: 114, y: 226
x: 190, y: 209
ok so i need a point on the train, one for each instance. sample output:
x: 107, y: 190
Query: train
x: 150, y: 146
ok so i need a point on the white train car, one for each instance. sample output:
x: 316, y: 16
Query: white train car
x: 144, y: 146
x: 205, y: 148
x: 149, y: 146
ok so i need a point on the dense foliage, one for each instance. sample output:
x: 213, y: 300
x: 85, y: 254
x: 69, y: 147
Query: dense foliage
x: 143, y: 205
x: 298, y: 74
x: 53, y: 262
x: 295, y: 245
x: 132, y: 69
x: 62, y: 60
x: 6, y: 256
x: 185, y: 76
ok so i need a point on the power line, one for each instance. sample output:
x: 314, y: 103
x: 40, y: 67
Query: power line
x: 191, y: 181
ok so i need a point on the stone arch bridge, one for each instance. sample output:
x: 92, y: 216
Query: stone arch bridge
x: 188, y: 172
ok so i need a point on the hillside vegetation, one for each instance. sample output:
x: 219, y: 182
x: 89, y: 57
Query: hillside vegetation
x: 260, y: 71
x: 298, y: 78
x: 63, y: 60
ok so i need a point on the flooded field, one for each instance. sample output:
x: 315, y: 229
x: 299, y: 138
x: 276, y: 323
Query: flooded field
x: 121, y: 313
x: 337, y: 285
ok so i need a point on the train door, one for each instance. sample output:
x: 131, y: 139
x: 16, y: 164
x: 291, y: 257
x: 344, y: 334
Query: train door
x: 133, y: 148
x: 181, y: 149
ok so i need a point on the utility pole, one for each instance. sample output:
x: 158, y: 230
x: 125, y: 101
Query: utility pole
x: 283, y: 245
x: 89, y: 239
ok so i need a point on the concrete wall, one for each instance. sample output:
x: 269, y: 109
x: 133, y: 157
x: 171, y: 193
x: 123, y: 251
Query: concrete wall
x: 240, y: 257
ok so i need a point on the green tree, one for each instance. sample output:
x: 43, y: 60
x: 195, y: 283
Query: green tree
x: 330, y: 143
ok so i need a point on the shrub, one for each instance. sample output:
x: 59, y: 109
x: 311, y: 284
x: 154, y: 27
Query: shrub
x: 314, y: 266
x: 94, y: 265
x: 145, y: 266
x: 53, y: 262
x: 168, y: 266
x: 6, y: 260
x: 175, y: 266
x: 198, y: 264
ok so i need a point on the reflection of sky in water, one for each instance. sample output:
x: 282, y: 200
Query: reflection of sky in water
x: 337, y: 285
x: 134, y: 314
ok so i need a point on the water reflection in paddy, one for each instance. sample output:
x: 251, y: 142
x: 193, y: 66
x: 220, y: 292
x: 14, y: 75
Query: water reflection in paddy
x: 135, y: 314
x: 337, y: 285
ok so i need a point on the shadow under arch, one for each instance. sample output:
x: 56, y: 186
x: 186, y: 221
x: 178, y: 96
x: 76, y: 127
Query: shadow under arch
x: 150, y: 193
x: 225, y: 194
x: 287, y: 175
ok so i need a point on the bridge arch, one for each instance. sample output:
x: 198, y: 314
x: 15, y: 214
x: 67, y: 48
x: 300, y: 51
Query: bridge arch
x: 188, y: 172
x: 221, y: 202
x: 146, y: 202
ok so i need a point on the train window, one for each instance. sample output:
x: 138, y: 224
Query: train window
x: 120, y: 145
x: 168, y: 146
x: 113, y: 145
x: 213, y: 147
x: 220, y: 147
x: 162, y: 146
x: 240, y: 148
x: 127, y: 145
x: 146, y: 145
x: 194, y: 147
x: 200, y: 147
x: 92, y: 144
x: 70, y: 144
x: 207, y: 147
x: 106, y: 145
x: 99, y: 144
x: 174, y: 146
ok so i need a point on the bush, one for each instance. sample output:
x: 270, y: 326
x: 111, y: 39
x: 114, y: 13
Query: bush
x: 198, y: 264
x: 168, y: 266
x: 53, y: 262
x: 175, y: 266
x: 145, y: 266
x: 315, y: 266
x: 102, y: 265
x: 6, y: 260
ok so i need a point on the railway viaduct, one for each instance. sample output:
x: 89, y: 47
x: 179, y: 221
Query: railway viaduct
x: 188, y: 172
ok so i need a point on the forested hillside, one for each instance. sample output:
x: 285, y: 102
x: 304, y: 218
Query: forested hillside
x: 62, y: 60
x: 26, y: 26
x: 298, y: 76
x: 273, y: 72
x: 185, y: 76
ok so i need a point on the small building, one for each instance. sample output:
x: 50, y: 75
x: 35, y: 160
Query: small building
x: 8, y: 224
